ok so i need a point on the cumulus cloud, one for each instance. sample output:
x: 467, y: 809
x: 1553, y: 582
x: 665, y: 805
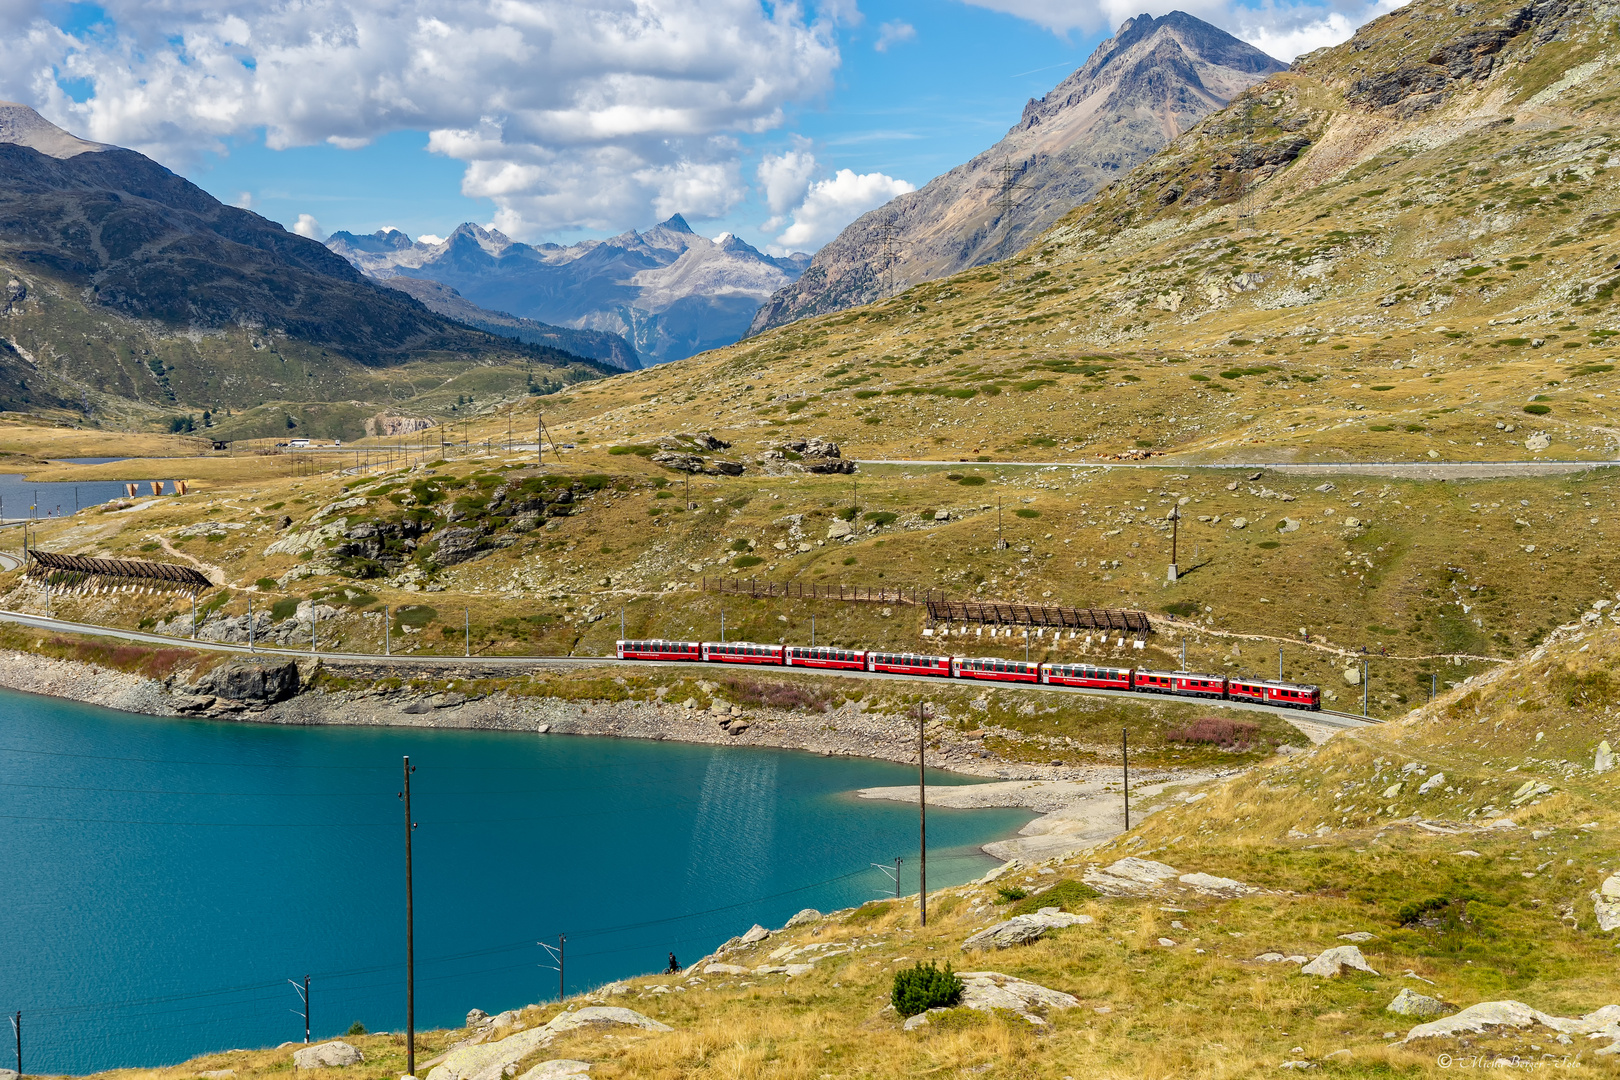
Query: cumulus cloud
x: 1279, y: 28
x: 894, y: 33
x: 785, y: 179
x: 567, y: 113
x: 831, y: 204
x: 306, y: 226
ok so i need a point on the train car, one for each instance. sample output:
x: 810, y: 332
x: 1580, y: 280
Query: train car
x: 1181, y: 683
x: 1086, y: 675
x: 1293, y: 695
x: 658, y: 649
x: 909, y: 664
x: 741, y: 652
x: 824, y: 656
x: 1244, y: 688
x: 993, y: 669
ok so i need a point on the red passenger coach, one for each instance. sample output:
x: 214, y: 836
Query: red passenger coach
x: 1183, y: 683
x: 659, y: 650
x: 1246, y: 690
x: 994, y: 670
x: 1086, y: 675
x: 909, y: 664
x: 741, y: 652
x: 1294, y: 695
x: 825, y: 656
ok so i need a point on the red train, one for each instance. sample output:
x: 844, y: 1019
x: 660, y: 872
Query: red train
x: 987, y: 669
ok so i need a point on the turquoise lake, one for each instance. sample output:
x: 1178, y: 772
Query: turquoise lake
x: 163, y: 879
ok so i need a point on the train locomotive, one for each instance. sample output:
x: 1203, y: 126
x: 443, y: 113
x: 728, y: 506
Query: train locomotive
x: 987, y: 669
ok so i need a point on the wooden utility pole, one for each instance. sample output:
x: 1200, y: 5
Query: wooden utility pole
x: 410, y: 933
x: 1125, y: 760
x: 922, y: 820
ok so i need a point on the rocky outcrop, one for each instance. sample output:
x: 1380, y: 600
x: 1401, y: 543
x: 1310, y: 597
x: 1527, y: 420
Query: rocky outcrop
x: 988, y: 991
x: 1023, y: 929
x: 1411, y: 1003
x: 1141, y: 88
x: 261, y: 683
x: 812, y: 455
x: 1476, y: 1019
x: 1331, y: 962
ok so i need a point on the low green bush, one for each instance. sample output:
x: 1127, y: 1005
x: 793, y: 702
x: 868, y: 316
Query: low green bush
x: 923, y: 987
x: 1008, y: 893
x: 1065, y: 895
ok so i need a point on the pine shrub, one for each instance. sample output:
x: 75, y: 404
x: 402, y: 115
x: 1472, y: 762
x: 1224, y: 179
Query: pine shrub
x: 923, y: 987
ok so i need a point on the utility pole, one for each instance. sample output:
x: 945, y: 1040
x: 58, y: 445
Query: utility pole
x: 466, y: 629
x: 562, y: 942
x: 16, y: 1027
x: 812, y: 631
x: 250, y: 624
x: 722, y: 626
x: 1175, y: 535
x: 193, y: 614
x: 922, y: 820
x: 303, y: 994
x: 410, y: 933
x: 1125, y: 763
x: 1433, y: 684
x: 1000, y: 543
x: 1183, y: 652
x: 1364, y: 688
x: 388, y: 644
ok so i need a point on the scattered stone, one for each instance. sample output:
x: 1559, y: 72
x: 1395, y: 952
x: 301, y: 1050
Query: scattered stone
x: 1410, y: 1003
x: 1352, y: 523
x: 1393, y: 790
x: 1539, y: 441
x: 1359, y: 937
x: 942, y: 515
x: 601, y: 1016
x: 1288, y: 525
x: 1603, y: 760
x: 1023, y: 929
x: 1352, y: 676
x: 838, y: 530
x: 1331, y: 962
x: 808, y: 915
x: 476, y: 1017
x: 755, y: 934
x: 1435, y: 781
x: 1168, y: 943
x: 332, y: 1055
x: 1279, y: 958
x: 1240, y: 523
x: 990, y: 990
x: 1210, y: 885
x: 724, y: 969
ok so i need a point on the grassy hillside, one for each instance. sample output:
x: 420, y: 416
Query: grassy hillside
x: 1476, y: 889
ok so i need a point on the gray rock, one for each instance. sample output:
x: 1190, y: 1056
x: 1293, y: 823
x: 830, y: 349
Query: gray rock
x: 724, y: 969
x: 756, y: 933
x: 671, y: 459
x: 457, y: 545
x: 1329, y: 963
x: 807, y: 915
x: 489, y: 1061
x: 1023, y: 929
x: 1240, y: 523
x: 263, y: 681
x: 1210, y: 885
x: 1410, y: 1003
x: 1360, y: 937
x: 990, y: 990
x: 1130, y: 876
x: 476, y: 1017
x: 332, y: 1055
x: 838, y: 530
x: 1516, y: 1014
x: 1606, y: 903
x: 1603, y: 760
x: 942, y: 515
x: 604, y: 1016
x: 8, y: 1074
x: 557, y: 1069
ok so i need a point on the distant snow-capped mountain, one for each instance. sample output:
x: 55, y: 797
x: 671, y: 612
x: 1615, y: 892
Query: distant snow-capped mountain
x: 668, y: 291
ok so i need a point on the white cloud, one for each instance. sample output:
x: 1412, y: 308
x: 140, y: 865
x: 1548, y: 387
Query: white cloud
x: 786, y: 177
x: 1284, y: 29
x: 429, y: 238
x: 307, y: 227
x: 894, y: 33
x: 831, y: 204
x: 568, y: 113
x: 244, y: 199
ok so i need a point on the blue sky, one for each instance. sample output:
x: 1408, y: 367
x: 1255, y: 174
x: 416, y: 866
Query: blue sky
x: 775, y: 120
x: 912, y: 111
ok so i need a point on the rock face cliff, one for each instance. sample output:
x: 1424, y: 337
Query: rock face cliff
x: 1150, y: 82
x: 668, y: 291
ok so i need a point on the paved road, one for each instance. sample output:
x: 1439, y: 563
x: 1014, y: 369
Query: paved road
x: 1326, y: 717
x: 1416, y: 470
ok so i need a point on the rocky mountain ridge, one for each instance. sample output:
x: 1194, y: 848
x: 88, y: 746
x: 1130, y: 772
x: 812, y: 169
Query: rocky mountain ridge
x: 668, y: 291
x: 1139, y: 90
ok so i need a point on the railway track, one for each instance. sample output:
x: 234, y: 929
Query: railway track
x: 1325, y: 717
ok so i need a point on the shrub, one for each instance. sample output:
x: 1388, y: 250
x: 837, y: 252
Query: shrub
x: 356, y: 1028
x: 1008, y: 893
x: 882, y: 517
x: 1214, y: 729
x: 923, y: 987
x: 1065, y: 895
x: 871, y: 911
x: 285, y: 608
x: 1537, y: 409
x: 1414, y: 910
x: 1026, y: 512
x: 743, y: 562
x: 972, y: 481
x: 740, y: 544
x: 264, y: 583
x: 417, y: 615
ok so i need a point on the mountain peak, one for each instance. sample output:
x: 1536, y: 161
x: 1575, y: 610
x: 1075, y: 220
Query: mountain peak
x: 22, y: 126
x: 675, y: 223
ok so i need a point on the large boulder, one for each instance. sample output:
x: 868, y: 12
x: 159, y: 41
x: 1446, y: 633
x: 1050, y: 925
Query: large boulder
x: 1130, y: 876
x: 1606, y: 903
x: 1604, y: 1023
x: 988, y: 991
x: 490, y: 1060
x: 1023, y: 929
x: 332, y: 1055
x: 457, y: 545
x: 1329, y: 963
x: 1410, y: 1003
x: 253, y: 681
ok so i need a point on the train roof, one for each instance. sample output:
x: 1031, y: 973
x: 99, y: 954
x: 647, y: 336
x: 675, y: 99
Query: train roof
x: 1275, y: 682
